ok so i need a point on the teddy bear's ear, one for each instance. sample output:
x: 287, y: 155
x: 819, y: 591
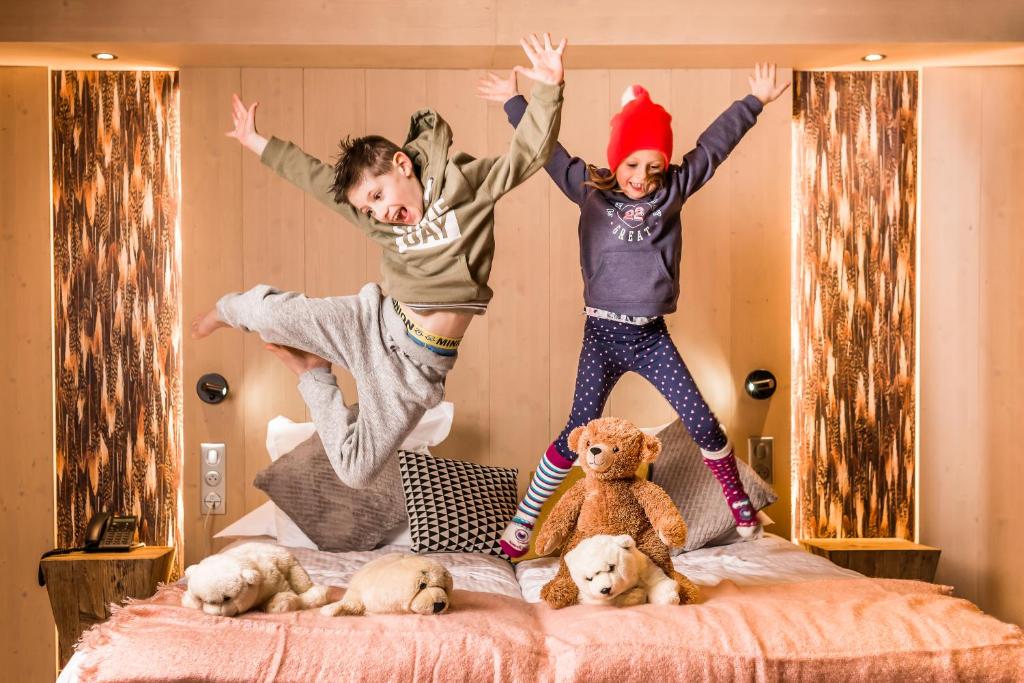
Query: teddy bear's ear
x: 575, y: 436
x: 652, y: 448
x: 625, y: 541
x: 250, y: 576
x: 189, y: 569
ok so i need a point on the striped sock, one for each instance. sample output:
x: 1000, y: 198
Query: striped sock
x: 551, y: 472
x: 723, y: 465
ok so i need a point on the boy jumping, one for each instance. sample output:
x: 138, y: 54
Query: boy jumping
x: 433, y: 212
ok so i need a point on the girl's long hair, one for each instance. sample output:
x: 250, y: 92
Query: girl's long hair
x: 604, y: 180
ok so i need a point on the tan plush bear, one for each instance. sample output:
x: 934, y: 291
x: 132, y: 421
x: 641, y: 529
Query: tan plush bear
x: 611, y: 500
x: 394, y: 584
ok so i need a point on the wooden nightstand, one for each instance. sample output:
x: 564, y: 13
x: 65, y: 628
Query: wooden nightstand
x: 82, y: 586
x: 888, y: 558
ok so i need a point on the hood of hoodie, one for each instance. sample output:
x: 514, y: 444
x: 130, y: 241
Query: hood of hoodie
x: 427, y: 145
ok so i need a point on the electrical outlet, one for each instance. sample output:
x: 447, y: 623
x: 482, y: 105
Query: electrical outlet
x: 212, y: 463
x: 760, y: 455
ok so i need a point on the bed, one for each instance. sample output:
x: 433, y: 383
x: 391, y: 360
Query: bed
x: 769, y: 611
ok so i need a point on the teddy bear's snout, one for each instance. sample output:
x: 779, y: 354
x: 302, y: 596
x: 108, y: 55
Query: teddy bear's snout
x: 597, y: 457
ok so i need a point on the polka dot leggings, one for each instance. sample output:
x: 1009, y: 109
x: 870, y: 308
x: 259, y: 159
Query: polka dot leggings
x: 610, y: 350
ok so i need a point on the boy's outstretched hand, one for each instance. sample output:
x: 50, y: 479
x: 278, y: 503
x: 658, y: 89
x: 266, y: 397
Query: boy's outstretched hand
x: 299, y: 362
x: 497, y: 89
x: 762, y: 83
x: 244, y: 119
x: 546, y: 60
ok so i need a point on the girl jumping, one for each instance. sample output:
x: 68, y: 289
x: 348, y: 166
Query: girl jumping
x: 630, y: 249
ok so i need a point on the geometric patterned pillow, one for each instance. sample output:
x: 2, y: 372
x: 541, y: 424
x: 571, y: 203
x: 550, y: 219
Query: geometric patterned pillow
x: 456, y: 506
x: 681, y: 471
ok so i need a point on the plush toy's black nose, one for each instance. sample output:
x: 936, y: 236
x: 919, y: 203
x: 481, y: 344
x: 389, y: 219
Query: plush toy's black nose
x: 606, y: 590
x: 439, y: 606
x: 595, y: 450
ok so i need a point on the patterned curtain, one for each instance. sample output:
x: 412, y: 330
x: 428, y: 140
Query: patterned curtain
x: 117, y: 290
x: 854, y: 284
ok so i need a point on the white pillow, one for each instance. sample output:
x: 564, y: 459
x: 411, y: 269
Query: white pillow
x: 259, y: 522
x: 432, y: 429
x: 283, y: 435
x: 653, y: 431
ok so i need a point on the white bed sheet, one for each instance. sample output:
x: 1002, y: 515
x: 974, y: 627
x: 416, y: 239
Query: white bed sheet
x: 470, y: 571
x: 769, y: 559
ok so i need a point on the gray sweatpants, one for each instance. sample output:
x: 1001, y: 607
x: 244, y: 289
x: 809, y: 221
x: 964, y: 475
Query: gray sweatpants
x: 397, y: 379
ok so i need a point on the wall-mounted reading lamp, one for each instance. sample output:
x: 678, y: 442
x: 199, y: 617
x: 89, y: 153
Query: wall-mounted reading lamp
x: 760, y: 384
x: 212, y: 388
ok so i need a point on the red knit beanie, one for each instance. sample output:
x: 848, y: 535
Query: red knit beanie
x: 641, y: 124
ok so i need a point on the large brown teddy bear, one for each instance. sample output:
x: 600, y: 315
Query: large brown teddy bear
x: 611, y: 500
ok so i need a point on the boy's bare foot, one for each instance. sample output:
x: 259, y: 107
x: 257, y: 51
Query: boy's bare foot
x: 207, y: 323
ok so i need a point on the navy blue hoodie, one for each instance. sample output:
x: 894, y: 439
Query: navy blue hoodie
x: 630, y: 249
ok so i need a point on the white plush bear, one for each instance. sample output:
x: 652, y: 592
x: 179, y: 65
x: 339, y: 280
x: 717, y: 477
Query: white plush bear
x: 251, y: 575
x: 610, y: 570
x: 396, y: 583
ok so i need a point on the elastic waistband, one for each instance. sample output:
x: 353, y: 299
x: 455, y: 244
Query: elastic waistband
x: 439, y: 344
x: 399, y: 332
x: 624, y: 328
x: 619, y: 317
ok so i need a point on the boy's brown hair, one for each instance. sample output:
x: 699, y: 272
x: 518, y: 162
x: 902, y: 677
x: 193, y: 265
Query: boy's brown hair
x: 371, y: 154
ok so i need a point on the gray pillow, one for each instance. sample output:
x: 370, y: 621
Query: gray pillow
x: 335, y: 517
x: 681, y: 471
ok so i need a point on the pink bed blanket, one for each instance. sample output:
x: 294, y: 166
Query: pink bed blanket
x: 837, y: 629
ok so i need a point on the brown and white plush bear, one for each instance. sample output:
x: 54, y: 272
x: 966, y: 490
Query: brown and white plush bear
x: 611, y: 500
x: 394, y: 584
x: 251, y: 575
x: 609, y: 570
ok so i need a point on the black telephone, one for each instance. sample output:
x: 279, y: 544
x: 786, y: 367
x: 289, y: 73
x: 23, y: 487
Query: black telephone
x: 106, y: 533
x: 110, y: 533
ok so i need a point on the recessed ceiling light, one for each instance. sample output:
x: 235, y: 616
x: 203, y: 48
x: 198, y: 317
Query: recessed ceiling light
x: 105, y: 56
x: 873, y: 57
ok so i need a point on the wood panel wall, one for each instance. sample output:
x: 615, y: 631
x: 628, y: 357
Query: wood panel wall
x: 972, y: 331
x: 514, y: 381
x: 117, y: 300
x: 854, y: 302
x: 27, y: 635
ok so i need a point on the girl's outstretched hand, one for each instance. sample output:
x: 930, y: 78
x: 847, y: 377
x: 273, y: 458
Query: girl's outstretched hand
x: 546, y: 60
x: 762, y: 83
x: 497, y: 89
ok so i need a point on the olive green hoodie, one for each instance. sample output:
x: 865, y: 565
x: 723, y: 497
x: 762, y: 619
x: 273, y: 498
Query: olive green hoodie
x: 446, y: 258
